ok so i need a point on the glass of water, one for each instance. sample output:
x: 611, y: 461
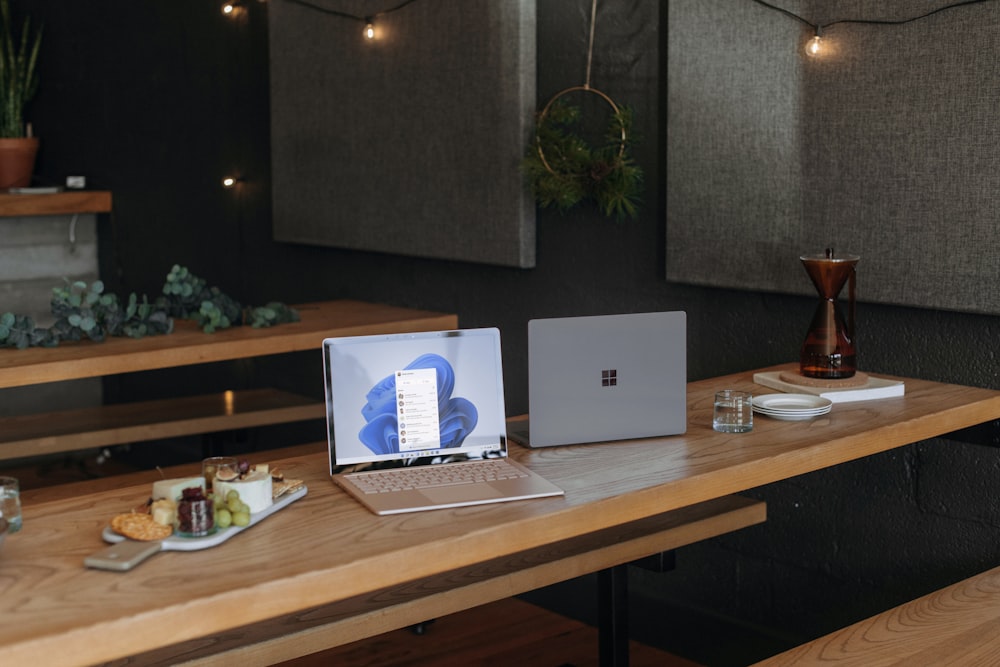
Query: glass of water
x: 10, y: 503
x: 733, y: 411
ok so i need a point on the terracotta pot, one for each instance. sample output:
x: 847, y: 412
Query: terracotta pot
x: 17, y: 162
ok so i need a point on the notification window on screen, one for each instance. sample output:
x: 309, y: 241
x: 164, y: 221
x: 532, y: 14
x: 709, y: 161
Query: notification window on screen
x: 417, y: 409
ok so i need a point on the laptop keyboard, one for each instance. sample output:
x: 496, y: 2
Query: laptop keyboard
x: 428, y: 476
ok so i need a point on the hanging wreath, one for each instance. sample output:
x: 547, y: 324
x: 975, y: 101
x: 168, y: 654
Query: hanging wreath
x: 565, y: 170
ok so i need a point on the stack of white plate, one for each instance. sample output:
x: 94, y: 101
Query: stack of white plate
x: 791, y: 407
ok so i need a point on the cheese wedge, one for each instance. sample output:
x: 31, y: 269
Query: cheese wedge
x: 164, y: 511
x: 171, y: 488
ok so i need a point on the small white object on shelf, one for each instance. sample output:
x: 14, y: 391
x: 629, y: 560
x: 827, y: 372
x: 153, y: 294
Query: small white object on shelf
x: 47, y: 190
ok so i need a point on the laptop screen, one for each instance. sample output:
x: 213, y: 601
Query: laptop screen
x: 415, y: 398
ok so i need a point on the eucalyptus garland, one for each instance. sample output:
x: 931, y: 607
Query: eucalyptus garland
x: 86, y: 312
x: 564, y: 170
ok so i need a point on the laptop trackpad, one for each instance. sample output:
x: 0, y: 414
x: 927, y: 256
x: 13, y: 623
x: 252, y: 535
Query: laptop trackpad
x: 460, y: 493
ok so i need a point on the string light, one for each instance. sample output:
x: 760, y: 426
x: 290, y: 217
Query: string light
x: 233, y: 8
x: 814, y: 47
x: 230, y: 181
x: 370, y: 32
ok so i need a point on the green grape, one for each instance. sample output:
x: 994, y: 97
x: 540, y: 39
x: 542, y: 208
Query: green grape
x: 234, y: 505
x: 241, y: 518
x: 223, y: 518
x: 244, y: 508
x: 232, y: 495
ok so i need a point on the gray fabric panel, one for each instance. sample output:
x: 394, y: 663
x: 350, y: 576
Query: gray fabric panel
x: 887, y: 147
x: 410, y: 144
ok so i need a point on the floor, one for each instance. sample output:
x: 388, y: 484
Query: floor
x: 530, y: 637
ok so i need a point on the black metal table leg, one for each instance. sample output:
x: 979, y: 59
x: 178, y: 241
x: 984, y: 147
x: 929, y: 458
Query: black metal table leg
x: 612, y: 595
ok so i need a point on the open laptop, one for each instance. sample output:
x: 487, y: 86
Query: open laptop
x: 605, y: 377
x: 421, y: 404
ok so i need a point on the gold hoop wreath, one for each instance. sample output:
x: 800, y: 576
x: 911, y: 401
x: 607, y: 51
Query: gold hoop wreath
x: 564, y: 169
x: 555, y: 100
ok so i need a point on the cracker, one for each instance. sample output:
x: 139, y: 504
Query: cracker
x: 280, y: 488
x: 141, y: 527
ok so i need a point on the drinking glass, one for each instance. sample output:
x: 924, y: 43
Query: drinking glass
x: 733, y: 412
x: 10, y: 503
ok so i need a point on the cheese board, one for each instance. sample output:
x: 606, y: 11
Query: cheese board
x: 119, y: 559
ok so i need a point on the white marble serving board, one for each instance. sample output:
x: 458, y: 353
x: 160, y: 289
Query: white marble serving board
x: 177, y: 543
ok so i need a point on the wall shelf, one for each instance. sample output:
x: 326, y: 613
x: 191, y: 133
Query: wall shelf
x: 55, y: 203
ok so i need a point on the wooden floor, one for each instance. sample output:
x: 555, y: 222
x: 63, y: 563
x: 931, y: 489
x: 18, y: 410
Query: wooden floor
x: 509, y: 632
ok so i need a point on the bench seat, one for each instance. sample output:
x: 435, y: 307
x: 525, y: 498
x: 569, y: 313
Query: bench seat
x: 956, y: 625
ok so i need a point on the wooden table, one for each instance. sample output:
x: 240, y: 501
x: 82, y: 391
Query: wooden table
x: 49, y: 433
x: 326, y: 571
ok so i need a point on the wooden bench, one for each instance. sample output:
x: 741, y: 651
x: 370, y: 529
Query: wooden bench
x: 102, y: 426
x: 123, y: 423
x: 957, y: 625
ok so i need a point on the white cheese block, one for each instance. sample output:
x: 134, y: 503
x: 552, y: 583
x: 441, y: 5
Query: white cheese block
x: 254, y: 489
x: 171, y: 488
x: 164, y: 511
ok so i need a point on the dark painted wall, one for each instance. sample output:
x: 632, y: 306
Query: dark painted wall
x: 157, y: 100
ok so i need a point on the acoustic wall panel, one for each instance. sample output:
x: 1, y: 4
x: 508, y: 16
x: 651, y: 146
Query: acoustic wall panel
x: 884, y: 146
x: 409, y: 143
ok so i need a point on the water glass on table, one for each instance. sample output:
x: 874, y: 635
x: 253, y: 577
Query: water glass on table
x: 10, y: 503
x: 733, y: 411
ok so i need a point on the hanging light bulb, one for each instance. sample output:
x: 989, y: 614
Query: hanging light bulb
x: 369, y: 28
x: 229, y: 181
x: 815, y: 45
x: 230, y: 8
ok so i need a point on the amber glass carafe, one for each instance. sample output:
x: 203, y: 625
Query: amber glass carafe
x: 828, y: 351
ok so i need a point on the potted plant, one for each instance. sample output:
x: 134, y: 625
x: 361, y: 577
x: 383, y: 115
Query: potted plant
x: 18, y: 83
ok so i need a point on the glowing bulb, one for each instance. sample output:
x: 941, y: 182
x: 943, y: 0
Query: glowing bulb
x: 228, y: 182
x: 234, y: 8
x: 814, y: 46
x: 369, y: 30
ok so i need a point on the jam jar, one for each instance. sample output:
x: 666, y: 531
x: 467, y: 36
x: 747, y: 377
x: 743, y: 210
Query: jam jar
x: 195, y: 514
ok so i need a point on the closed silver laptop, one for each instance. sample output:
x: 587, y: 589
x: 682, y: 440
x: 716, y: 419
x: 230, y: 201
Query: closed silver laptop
x: 605, y: 377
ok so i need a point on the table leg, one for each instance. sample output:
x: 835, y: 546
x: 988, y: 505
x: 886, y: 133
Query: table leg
x: 612, y: 596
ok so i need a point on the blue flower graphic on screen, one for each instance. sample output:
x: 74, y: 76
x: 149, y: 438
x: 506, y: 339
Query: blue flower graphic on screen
x: 457, y: 416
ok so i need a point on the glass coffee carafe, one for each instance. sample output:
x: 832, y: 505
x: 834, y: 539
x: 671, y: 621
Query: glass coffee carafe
x: 828, y: 351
